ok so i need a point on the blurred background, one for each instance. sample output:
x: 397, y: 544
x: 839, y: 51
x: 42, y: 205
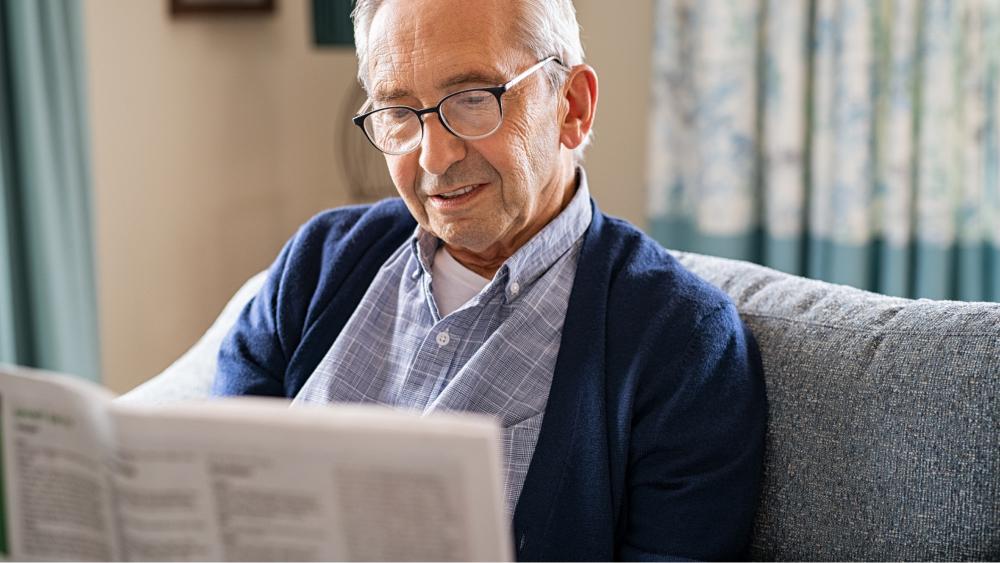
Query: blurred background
x: 154, y: 154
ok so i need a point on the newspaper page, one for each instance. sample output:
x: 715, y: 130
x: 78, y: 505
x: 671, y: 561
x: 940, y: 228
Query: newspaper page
x: 251, y: 479
x: 55, y: 493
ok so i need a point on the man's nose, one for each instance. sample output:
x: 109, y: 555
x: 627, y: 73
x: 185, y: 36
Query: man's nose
x: 439, y: 149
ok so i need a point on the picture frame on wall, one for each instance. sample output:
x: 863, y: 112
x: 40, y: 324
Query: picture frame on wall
x: 332, y: 26
x: 183, y: 7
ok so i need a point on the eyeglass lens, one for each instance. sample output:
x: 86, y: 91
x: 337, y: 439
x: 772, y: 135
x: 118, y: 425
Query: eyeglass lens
x: 472, y: 114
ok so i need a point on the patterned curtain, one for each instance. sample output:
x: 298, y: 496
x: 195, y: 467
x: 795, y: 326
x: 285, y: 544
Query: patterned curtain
x: 854, y: 141
x: 48, y: 315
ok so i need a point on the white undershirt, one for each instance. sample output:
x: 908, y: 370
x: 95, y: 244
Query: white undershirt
x: 452, y: 283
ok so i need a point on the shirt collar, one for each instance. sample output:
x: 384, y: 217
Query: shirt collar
x: 536, y: 256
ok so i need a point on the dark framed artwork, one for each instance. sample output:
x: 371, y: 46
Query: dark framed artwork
x: 332, y: 25
x: 184, y: 7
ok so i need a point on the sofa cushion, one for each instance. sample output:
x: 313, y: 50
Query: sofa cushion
x: 883, y: 437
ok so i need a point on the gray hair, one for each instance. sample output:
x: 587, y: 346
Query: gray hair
x: 544, y: 28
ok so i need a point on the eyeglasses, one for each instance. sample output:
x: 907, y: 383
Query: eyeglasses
x: 469, y: 114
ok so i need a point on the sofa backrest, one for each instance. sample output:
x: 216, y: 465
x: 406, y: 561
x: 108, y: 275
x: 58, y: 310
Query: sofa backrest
x: 883, y: 438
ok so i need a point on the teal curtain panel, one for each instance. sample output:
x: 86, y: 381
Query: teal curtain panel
x: 853, y: 141
x: 48, y: 312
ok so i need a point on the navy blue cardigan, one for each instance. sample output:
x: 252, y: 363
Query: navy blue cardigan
x: 652, y: 442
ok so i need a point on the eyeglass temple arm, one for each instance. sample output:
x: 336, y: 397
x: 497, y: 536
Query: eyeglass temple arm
x: 513, y: 82
x: 532, y: 68
x: 365, y: 107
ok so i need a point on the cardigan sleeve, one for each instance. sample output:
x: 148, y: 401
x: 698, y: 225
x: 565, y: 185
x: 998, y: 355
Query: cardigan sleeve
x: 252, y: 360
x: 697, y: 446
x: 311, y: 289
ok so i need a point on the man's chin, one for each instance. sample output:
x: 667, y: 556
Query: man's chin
x: 467, y: 238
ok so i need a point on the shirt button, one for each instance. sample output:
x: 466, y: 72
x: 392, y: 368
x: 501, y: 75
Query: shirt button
x: 443, y: 338
x: 416, y: 273
x: 515, y: 288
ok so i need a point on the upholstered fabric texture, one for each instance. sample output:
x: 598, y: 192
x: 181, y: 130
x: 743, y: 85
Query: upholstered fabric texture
x: 884, y: 420
x: 884, y: 423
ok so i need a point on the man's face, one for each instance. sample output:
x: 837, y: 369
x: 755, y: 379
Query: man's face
x: 423, y: 50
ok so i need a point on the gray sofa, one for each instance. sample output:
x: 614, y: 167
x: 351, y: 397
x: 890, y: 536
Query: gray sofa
x: 883, y: 435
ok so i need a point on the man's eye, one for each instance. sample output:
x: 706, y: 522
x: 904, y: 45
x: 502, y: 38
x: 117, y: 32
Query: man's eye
x: 397, y: 113
x: 474, y: 101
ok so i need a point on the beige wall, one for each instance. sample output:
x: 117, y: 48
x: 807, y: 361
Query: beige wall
x: 215, y: 137
x: 617, y: 38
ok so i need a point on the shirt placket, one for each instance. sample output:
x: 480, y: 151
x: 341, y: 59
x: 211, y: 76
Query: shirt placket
x: 432, y: 363
x: 435, y: 363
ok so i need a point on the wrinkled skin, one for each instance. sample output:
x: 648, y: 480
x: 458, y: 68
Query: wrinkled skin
x: 422, y: 50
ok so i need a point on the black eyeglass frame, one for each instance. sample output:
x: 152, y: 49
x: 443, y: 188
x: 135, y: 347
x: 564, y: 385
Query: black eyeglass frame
x: 497, y: 91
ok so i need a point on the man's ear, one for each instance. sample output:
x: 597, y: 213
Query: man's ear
x: 580, y: 91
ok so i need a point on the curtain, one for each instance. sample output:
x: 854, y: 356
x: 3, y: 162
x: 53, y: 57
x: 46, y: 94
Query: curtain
x: 854, y: 141
x: 48, y: 314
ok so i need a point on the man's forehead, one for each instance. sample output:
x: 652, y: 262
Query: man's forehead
x: 448, y: 44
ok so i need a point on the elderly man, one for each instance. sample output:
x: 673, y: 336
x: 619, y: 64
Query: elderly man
x: 629, y: 392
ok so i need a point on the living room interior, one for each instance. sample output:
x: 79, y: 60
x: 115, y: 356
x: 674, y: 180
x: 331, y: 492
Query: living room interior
x: 832, y: 165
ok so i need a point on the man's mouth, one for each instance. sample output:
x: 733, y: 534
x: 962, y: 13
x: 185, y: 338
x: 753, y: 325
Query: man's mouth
x: 459, y: 192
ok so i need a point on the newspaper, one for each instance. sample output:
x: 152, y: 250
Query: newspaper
x: 84, y: 478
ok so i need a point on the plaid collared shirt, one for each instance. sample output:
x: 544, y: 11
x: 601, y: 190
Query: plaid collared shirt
x: 494, y: 355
